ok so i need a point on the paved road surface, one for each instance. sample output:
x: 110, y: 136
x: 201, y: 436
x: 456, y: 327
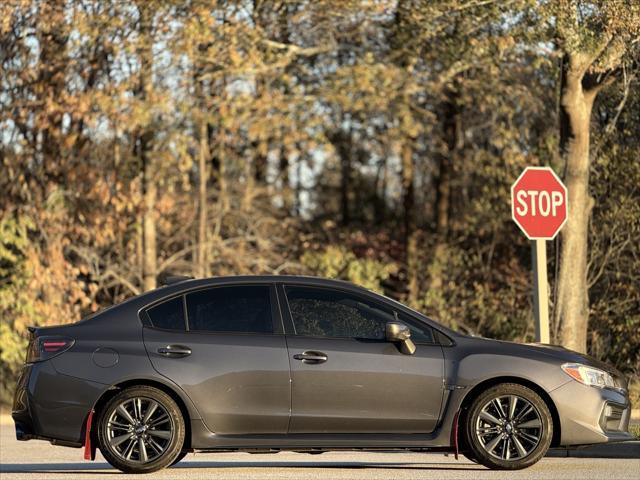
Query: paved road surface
x: 39, y: 460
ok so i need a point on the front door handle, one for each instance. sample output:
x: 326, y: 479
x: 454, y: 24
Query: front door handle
x: 175, y: 351
x: 310, y: 357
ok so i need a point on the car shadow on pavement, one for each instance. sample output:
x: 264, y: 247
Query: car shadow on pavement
x: 105, y: 468
x: 78, y: 467
x: 607, y: 450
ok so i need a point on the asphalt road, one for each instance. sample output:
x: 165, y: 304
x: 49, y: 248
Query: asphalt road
x: 40, y: 460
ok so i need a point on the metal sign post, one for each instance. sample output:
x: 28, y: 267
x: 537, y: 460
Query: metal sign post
x: 540, y: 290
x: 539, y: 208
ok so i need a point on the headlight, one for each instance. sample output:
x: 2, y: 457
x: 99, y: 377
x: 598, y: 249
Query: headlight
x: 589, y: 375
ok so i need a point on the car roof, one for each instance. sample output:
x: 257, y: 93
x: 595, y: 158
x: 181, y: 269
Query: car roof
x: 194, y: 284
x: 146, y: 299
x: 240, y: 279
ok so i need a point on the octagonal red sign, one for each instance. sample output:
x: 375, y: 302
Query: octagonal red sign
x: 539, y: 203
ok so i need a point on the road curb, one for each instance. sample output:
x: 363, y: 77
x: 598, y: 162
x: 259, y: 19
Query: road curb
x: 606, y: 450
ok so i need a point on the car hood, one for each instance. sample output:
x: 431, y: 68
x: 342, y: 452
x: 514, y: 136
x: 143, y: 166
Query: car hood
x: 558, y: 352
x: 561, y: 354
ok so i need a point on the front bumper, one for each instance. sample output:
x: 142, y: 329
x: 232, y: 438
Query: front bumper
x: 590, y: 415
x: 51, y: 406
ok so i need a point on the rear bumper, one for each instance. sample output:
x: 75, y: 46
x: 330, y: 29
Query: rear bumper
x: 20, y: 411
x: 591, y: 415
x: 51, y: 406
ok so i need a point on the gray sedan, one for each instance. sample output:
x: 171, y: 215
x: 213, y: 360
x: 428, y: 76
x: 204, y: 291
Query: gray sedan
x: 271, y: 363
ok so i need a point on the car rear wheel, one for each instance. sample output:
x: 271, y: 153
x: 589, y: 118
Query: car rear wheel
x: 141, y: 430
x: 507, y: 427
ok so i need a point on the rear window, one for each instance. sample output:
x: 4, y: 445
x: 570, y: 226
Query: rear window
x: 241, y: 309
x: 168, y: 315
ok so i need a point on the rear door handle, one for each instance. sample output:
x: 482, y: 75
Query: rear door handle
x: 310, y: 357
x: 175, y: 351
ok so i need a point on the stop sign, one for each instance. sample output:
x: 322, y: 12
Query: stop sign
x: 539, y: 203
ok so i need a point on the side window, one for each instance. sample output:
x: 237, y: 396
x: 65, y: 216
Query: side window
x: 168, y: 315
x: 333, y: 313
x: 242, y: 309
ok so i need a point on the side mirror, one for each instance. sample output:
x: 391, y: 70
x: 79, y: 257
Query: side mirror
x: 398, y: 332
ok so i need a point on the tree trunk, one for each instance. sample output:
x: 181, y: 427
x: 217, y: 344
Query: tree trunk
x: 572, y: 303
x: 225, y: 201
x: 201, y: 266
x: 297, y: 199
x: 285, y: 185
x: 453, y: 139
x: 345, y: 186
x: 219, y: 170
x: 149, y: 188
x: 149, y: 264
x: 249, y: 185
x: 260, y: 171
x: 410, y: 231
x: 50, y: 86
x: 342, y: 143
x: 380, y: 193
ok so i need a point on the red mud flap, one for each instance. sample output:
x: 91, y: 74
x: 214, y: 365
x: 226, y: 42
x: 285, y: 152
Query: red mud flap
x: 454, y: 434
x: 89, y: 448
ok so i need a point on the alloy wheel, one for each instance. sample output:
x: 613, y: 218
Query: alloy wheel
x: 509, y: 427
x: 139, y: 430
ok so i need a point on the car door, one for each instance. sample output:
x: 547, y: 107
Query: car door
x: 346, y: 378
x: 225, y: 347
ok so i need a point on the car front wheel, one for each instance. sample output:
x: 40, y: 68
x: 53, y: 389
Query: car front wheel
x: 507, y: 427
x: 141, y: 430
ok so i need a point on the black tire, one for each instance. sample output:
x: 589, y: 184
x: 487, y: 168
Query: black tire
x: 179, y: 458
x: 159, y: 438
x: 523, y: 436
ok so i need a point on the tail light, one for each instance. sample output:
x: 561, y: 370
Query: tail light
x: 46, y: 347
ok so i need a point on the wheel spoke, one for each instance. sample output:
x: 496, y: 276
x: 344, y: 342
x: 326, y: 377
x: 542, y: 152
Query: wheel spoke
x: 493, y: 443
x: 119, y: 440
x: 129, y: 450
x: 150, y: 411
x: 155, y: 445
x: 487, y: 417
x: 166, y: 434
x: 498, y: 406
x: 487, y: 430
x: 528, y: 409
x: 535, y: 423
x: 521, y: 450
x: 507, y: 453
x: 160, y: 420
x: 529, y: 437
x: 124, y: 413
x: 138, y: 408
x: 142, y: 448
x: 119, y: 426
x: 513, y: 401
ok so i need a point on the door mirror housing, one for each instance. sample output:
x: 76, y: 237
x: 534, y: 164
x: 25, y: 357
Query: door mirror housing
x: 399, y: 333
